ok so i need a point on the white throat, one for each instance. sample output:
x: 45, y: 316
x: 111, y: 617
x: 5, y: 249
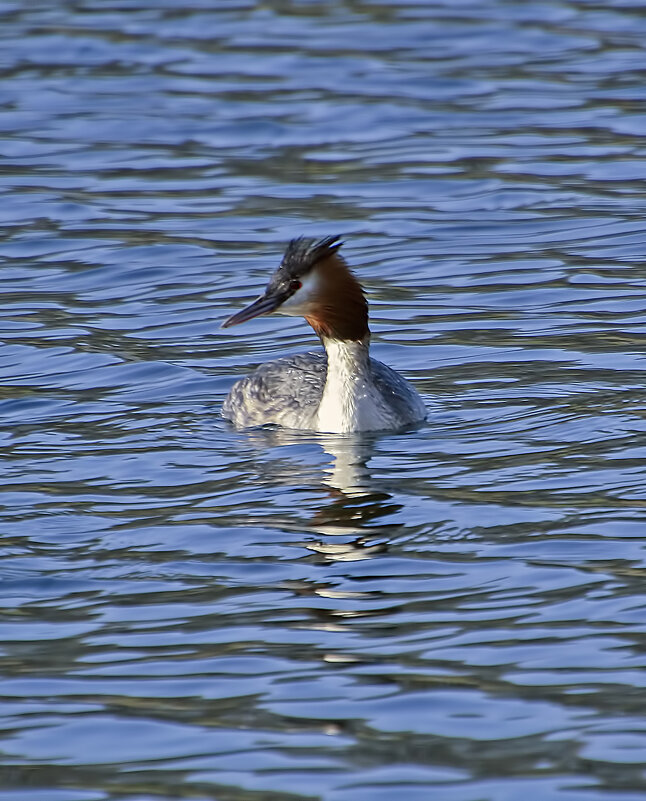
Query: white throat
x: 349, y: 401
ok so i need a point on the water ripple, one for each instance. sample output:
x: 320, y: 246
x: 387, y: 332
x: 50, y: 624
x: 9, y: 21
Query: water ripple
x: 455, y: 612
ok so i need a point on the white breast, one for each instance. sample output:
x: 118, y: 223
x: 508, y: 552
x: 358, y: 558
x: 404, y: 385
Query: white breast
x: 350, y: 401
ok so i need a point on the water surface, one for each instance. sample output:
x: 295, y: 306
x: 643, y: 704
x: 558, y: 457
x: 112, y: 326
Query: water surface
x: 456, y: 612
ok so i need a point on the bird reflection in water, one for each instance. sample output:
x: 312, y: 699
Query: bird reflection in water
x: 354, y: 504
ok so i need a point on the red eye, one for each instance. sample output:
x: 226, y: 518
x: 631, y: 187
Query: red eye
x: 294, y: 285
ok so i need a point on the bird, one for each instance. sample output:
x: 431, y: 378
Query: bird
x: 340, y: 391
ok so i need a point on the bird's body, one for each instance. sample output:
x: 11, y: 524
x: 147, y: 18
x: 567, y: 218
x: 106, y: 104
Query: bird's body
x: 342, y: 390
x: 288, y: 392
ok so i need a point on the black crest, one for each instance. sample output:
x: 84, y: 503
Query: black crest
x: 302, y: 254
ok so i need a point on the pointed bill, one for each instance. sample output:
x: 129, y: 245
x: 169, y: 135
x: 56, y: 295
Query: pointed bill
x: 262, y: 305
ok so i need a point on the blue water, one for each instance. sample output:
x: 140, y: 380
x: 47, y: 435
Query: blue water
x: 454, y: 613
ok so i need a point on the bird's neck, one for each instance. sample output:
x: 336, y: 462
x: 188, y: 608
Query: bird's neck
x: 338, y: 312
x: 337, y: 308
x: 346, y: 403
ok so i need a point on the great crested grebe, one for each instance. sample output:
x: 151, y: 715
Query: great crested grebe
x: 340, y: 391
